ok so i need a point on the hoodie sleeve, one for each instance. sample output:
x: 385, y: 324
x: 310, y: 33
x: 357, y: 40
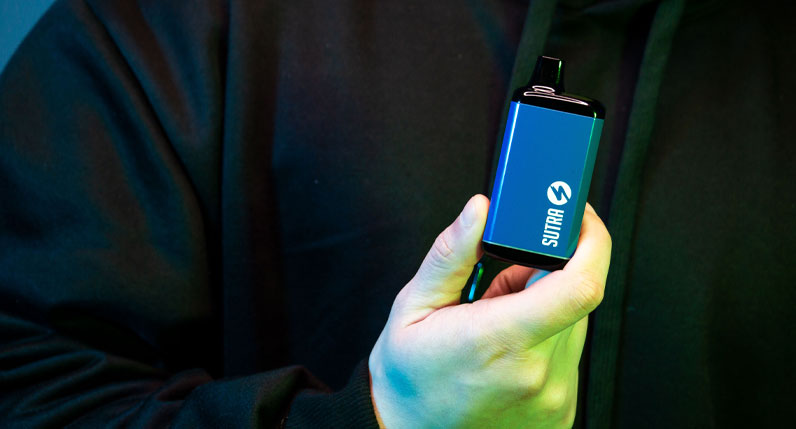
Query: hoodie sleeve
x: 113, y: 121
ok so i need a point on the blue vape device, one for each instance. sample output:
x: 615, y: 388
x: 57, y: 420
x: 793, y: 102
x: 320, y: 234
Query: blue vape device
x: 544, y: 172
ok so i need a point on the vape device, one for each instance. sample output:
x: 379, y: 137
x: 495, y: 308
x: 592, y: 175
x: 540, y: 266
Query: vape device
x: 544, y: 172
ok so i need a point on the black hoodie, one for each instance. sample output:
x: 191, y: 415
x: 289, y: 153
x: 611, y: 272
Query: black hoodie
x: 196, y: 195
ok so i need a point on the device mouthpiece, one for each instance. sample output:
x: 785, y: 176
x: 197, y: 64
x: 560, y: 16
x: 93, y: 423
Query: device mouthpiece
x: 548, y: 75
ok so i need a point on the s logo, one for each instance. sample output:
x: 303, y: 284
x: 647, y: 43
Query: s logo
x: 559, y: 193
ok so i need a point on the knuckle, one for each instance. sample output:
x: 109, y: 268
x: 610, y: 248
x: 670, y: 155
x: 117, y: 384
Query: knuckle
x: 555, y: 400
x: 590, y: 292
x: 441, y: 251
x: 532, y: 383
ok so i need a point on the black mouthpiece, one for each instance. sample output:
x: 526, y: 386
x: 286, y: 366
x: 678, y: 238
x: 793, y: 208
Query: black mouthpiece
x: 548, y: 73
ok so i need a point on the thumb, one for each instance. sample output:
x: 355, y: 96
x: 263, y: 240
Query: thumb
x: 448, y: 264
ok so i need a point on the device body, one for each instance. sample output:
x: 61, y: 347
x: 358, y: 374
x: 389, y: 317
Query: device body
x: 543, y: 173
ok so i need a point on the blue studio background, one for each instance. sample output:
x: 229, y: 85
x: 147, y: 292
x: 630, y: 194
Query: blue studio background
x: 17, y: 17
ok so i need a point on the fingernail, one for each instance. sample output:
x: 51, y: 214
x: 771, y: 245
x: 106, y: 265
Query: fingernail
x: 469, y: 214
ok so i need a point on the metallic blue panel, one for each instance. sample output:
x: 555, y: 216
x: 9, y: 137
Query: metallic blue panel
x: 542, y: 148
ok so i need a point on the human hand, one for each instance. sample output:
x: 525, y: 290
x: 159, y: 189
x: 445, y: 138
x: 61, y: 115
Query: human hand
x: 507, y: 360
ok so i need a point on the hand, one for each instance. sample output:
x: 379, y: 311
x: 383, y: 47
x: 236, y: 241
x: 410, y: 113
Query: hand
x: 507, y: 360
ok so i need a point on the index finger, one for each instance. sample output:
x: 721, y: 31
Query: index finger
x: 593, y: 254
x: 558, y: 300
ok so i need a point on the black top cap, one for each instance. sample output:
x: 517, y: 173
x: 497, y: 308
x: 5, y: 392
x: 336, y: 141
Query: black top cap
x: 549, y: 72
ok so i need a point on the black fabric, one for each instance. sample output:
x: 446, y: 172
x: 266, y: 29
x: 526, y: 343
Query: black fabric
x: 135, y: 241
x: 714, y: 210
x: 349, y: 407
x: 607, y: 327
x: 196, y: 195
x: 703, y: 322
